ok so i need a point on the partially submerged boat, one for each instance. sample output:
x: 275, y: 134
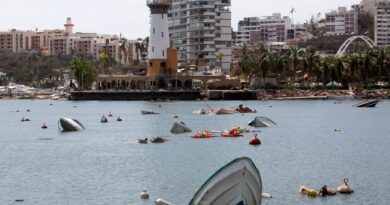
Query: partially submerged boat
x: 148, y: 112
x: 262, y: 122
x: 70, y: 125
x: 242, y: 109
x: 159, y: 140
x: 143, y: 141
x: 225, y: 111
x: 369, y: 103
x: 237, y: 183
x: 180, y: 128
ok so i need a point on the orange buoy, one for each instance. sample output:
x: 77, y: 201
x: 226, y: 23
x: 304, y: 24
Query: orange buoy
x: 254, y: 140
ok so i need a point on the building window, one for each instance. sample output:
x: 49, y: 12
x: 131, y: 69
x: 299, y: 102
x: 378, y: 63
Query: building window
x: 153, y: 49
x: 154, y: 30
x: 163, y: 53
x: 162, y: 34
x: 151, y: 64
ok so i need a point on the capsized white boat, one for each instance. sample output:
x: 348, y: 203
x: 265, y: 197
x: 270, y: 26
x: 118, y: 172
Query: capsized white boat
x: 69, y: 125
x: 225, y: 111
x: 180, y: 128
x: 262, y: 122
x: 237, y: 183
x: 369, y: 103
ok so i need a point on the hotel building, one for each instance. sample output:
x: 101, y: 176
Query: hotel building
x: 201, y: 32
x: 341, y: 22
x: 59, y: 42
x: 269, y: 29
x: 382, y: 24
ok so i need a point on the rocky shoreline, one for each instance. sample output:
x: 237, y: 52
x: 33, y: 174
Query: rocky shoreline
x: 323, y: 94
x: 285, y: 94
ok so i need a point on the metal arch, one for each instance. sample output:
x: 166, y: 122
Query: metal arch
x: 343, y: 48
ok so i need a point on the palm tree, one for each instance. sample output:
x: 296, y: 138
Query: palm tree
x: 368, y: 63
x: 104, y: 59
x: 311, y: 61
x: 380, y: 63
x: 339, y: 70
x: 265, y: 63
x: 145, y: 47
x: 219, y: 57
x: 353, y: 69
x: 246, y: 62
x: 122, y: 50
x: 83, y: 72
x: 129, y: 53
x: 139, y: 49
x: 280, y: 63
x: 326, y: 70
x: 294, y: 56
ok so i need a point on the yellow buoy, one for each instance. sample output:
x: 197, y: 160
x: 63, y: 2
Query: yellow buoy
x: 312, y: 193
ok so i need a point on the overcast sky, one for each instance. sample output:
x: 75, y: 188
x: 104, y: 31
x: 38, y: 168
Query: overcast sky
x: 130, y: 17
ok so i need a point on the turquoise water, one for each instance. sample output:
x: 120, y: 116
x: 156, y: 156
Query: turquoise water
x: 106, y: 165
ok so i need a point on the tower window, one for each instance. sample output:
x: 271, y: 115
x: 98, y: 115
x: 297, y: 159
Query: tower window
x: 162, y: 34
x: 154, y: 30
x: 163, y: 53
x: 153, y: 49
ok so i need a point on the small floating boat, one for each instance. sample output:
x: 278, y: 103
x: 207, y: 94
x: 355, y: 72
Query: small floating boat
x: 144, y: 194
x: 143, y: 141
x: 345, y: 188
x: 149, y: 112
x: 242, y: 109
x: 103, y: 119
x: 159, y: 140
x: 69, y: 125
x: 370, y: 103
x: 237, y: 183
x: 110, y: 114
x: 225, y: 111
x: 44, y: 126
x: 119, y: 119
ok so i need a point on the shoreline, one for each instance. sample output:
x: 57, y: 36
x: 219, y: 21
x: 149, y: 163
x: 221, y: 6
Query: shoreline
x: 269, y: 94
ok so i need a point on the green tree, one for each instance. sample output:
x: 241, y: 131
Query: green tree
x: 294, y: 55
x: 245, y: 65
x: 311, y: 61
x: 83, y: 72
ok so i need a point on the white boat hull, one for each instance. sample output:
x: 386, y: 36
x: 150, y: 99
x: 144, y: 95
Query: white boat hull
x: 70, y: 125
x: 237, y: 183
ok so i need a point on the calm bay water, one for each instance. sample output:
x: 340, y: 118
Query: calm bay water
x: 106, y: 165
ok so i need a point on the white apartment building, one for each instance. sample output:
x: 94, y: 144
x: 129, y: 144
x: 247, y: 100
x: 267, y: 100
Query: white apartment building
x: 59, y: 42
x: 369, y: 6
x: 341, y: 22
x: 264, y: 30
x: 382, y: 24
x: 201, y: 31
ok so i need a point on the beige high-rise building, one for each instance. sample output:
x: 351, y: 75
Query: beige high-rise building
x: 59, y: 42
x: 382, y: 23
x: 341, y: 22
x: 201, y: 31
x: 369, y: 6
